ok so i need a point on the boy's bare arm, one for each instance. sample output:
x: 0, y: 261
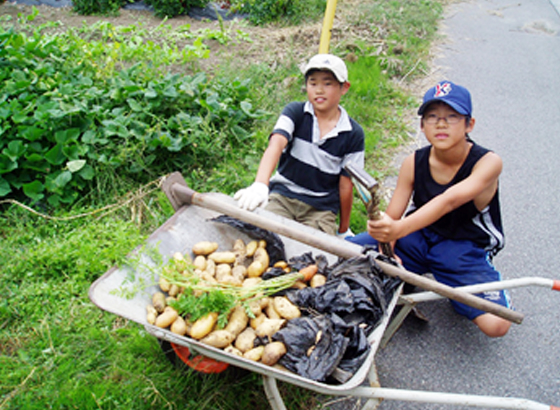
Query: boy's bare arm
x: 403, y: 191
x: 480, y: 185
x: 346, y: 199
x: 270, y: 158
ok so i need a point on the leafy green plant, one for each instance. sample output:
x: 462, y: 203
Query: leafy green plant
x: 173, y: 8
x: 261, y: 12
x: 66, y: 114
x: 102, y: 7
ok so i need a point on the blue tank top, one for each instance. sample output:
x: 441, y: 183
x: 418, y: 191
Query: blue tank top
x: 466, y: 222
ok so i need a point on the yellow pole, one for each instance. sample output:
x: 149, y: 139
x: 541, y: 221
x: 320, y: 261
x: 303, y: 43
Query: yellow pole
x: 327, y: 27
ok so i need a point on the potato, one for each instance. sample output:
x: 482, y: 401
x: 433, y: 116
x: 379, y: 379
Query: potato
x: 179, y: 326
x: 264, y: 302
x: 239, y: 272
x: 250, y: 282
x: 299, y: 284
x: 218, y: 338
x: 204, y: 248
x: 151, y: 314
x: 239, y: 250
x: 255, y: 308
x: 199, y: 262
x: 222, y: 257
x: 317, y: 280
x: 262, y: 243
x: 204, y: 325
x: 164, y: 284
x: 281, y: 264
x: 254, y: 354
x: 238, y: 321
x: 269, y: 326
x: 230, y: 280
x: 210, y: 267
x: 173, y: 290
x: 246, y: 340
x: 179, y: 257
x: 167, y: 317
x: 257, y: 320
x: 223, y: 269
x: 233, y: 350
x: 208, y: 278
x: 261, y: 255
x: 181, y: 261
x: 251, y: 248
x: 255, y: 269
x: 271, y: 312
x: 158, y: 300
x: 273, y: 352
x: 285, y: 308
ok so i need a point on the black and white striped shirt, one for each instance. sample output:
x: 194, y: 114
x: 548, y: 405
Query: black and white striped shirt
x: 310, y: 166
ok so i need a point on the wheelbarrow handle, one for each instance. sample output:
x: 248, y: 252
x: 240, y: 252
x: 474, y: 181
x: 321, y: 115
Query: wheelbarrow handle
x: 180, y: 194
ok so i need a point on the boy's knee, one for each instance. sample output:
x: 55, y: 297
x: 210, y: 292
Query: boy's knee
x: 491, y: 325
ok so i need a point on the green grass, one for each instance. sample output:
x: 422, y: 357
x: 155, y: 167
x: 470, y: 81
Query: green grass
x: 59, y: 351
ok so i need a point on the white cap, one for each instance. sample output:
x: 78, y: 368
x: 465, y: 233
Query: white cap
x: 328, y: 62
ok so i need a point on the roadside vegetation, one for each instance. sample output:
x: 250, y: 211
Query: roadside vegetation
x: 91, y: 119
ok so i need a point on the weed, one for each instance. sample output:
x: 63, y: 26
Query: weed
x: 293, y: 12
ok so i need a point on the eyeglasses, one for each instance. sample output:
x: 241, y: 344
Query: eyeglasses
x: 433, y: 119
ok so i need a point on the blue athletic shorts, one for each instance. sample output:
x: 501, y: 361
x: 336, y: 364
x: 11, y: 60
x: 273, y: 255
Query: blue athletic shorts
x: 452, y: 262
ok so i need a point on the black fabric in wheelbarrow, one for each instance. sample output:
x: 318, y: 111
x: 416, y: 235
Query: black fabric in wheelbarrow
x: 350, y: 305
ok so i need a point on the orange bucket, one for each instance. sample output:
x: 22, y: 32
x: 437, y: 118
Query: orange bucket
x: 199, y: 363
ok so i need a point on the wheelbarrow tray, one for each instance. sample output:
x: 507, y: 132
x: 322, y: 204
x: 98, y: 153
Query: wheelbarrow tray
x: 189, y: 225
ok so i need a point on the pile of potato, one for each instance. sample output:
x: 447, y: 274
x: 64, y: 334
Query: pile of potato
x: 241, y: 266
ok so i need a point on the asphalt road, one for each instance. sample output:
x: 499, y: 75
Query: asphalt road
x: 507, y: 53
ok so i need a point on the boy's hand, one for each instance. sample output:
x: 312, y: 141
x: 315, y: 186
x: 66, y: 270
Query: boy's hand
x: 253, y: 196
x: 384, y: 229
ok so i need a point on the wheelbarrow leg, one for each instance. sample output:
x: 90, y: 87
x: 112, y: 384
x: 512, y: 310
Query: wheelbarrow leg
x: 396, y: 323
x: 373, y: 403
x: 272, y: 393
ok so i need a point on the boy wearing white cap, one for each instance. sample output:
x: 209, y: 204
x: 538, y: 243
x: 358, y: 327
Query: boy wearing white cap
x: 311, y: 143
x: 453, y: 227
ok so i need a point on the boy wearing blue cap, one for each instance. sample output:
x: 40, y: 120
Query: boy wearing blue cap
x: 311, y: 144
x: 453, y: 226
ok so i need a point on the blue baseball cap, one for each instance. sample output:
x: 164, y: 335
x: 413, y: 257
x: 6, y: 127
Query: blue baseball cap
x: 456, y: 96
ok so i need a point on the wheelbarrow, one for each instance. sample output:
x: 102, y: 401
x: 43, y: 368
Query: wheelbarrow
x: 190, y: 224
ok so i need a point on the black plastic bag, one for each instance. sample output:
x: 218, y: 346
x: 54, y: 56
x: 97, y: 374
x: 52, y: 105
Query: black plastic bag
x: 390, y: 284
x: 274, y: 245
x: 358, y: 347
x: 353, y: 291
x: 314, y: 348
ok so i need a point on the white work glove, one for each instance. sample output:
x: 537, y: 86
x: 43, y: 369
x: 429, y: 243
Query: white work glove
x: 253, y: 196
x: 344, y: 235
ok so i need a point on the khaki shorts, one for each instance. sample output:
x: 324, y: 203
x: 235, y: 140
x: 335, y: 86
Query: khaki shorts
x: 301, y: 212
